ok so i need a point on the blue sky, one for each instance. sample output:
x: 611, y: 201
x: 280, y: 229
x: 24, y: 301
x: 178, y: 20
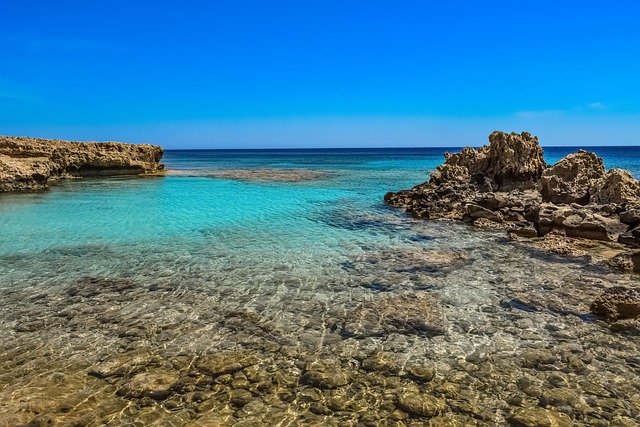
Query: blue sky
x: 249, y: 74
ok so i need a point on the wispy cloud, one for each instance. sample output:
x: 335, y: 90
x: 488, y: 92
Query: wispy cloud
x: 536, y: 114
x: 533, y: 114
x: 596, y: 106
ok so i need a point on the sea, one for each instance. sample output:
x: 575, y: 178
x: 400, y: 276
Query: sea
x: 275, y: 287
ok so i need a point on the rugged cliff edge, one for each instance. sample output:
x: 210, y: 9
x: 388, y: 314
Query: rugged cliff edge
x: 508, y: 184
x: 30, y: 163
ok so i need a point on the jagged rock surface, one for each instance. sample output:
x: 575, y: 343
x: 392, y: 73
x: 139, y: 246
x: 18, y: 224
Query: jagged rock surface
x: 618, y: 303
x: 508, y: 184
x: 30, y: 163
x: 571, y: 179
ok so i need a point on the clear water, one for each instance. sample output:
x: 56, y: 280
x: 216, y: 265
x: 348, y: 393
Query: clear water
x: 186, y: 266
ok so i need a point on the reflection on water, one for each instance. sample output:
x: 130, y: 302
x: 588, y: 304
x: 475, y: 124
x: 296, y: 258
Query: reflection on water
x: 190, y: 301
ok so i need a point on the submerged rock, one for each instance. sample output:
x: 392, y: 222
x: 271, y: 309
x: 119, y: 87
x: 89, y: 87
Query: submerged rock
x: 153, y: 384
x: 411, y: 315
x: 30, y: 163
x: 225, y: 363
x: 421, y: 404
x: 539, y: 417
x: 270, y: 174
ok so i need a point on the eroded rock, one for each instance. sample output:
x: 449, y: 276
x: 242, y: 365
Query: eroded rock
x: 618, y: 303
x: 572, y: 178
x: 508, y: 185
x: 30, y: 163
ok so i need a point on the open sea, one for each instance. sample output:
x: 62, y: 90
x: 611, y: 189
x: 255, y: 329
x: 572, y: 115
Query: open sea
x: 215, y: 296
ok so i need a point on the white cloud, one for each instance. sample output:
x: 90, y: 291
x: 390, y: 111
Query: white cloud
x: 596, y: 106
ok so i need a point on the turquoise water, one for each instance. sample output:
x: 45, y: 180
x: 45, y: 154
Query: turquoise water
x: 199, y: 215
x: 187, y: 265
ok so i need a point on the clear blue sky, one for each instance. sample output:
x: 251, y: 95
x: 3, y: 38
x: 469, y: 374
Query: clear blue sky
x: 241, y: 74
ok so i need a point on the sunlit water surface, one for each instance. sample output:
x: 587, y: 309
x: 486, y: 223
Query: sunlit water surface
x: 193, y: 300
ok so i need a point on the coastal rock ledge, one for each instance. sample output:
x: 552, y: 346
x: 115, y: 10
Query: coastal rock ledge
x: 507, y: 184
x: 30, y: 163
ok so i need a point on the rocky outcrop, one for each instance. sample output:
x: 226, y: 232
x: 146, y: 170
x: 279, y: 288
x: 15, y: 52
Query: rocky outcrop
x: 618, y: 186
x: 508, y: 184
x: 30, y: 163
x: 571, y: 179
x: 618, y: 303
x: 509, y: 162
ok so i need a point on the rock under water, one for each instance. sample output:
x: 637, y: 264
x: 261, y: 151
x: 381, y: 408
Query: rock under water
x: 31, y: 163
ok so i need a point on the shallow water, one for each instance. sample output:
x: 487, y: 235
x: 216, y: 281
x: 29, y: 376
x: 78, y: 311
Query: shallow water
x: 188, y: 300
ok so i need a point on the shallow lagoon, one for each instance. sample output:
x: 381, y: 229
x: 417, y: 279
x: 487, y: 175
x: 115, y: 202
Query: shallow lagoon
x: 192, y: 300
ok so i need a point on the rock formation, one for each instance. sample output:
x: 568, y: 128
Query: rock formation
x: 30, y: 163
x: 618, y: 303
x: 508, y: 184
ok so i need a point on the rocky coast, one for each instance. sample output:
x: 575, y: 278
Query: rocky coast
x: 31, y: 163
x: 337, y: 316
x: 507, y: 184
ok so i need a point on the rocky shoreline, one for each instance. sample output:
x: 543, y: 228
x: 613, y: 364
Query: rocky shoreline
x: 31, y: 163
x: 565, y: 208
x: 507, y: 184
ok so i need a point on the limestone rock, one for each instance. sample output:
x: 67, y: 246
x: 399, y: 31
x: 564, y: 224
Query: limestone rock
x: 514, y: 161
x: 154, y: 384
x: 507, y: 185
x: 539, y: 417
x: 477, y: 212
x: 510, y: 162
x: 618, y: 186
x: 572, y: 178
x: 225, y: 363
x: 618, y: 303
x: 411, y: 314
x: 631, y: 216
x: 421, y: 404
x: 30, y: 163
x: 325, y: 380
x: 579, y: 222
x: 631, y: 237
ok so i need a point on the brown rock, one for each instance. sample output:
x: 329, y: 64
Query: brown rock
x: 507, y: 184
x: 579, y: 222
x: 631, y: 237
x: 421, y: 404
x: 618, y: 303
x: 571, y: 179
x: 327, y: 380
x: 225, y: 363
x: 539, y: 417
x: 631, y: 216
x: 618, y: 186
x: 411, y: 314
x: 154, y: 384
x: 476, y: 212
x: 30, y: 163
x: 514, y: 161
